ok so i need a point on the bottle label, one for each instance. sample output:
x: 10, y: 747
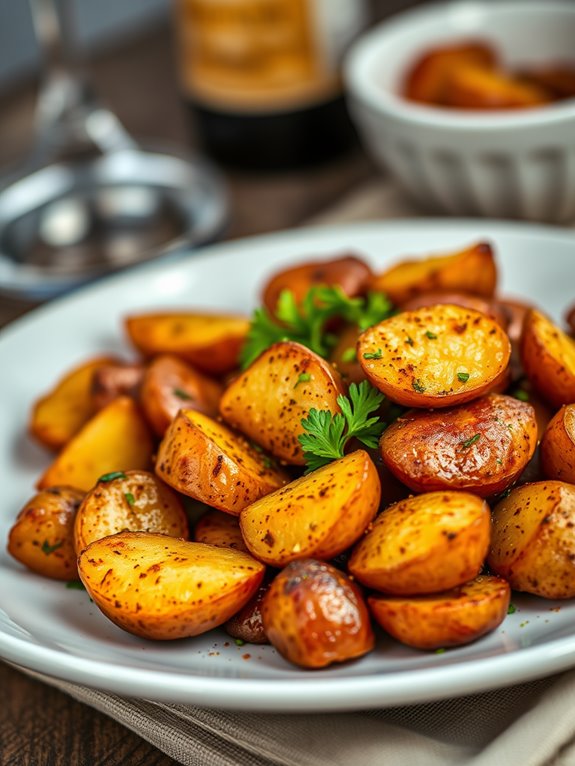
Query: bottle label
x: 264, y: 55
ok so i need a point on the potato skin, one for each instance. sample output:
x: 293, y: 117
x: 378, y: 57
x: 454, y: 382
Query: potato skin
x: 220, y: 529
x: 210, y: 342
x: 474, y: 87
x: 481, y: 446
x: 268, y: 401
x: 163, y: 588
x: 344, y: 356
x: 533, y: 541
x: 487, y: 306
x: 319, y: 515
x: 170, y: 384
x: 558, y: 446
x: 206, y: 460
x: 135, y: 501
x: 42, y: 537
x: 548, y: 357
x: 450, y: 618
x: 248, y: 624
x: 424, y: 544
x: 471, y: 270
x: 434, y: 357
x: 349, y: 272
x: 109, y: 381
x: 315, y: 616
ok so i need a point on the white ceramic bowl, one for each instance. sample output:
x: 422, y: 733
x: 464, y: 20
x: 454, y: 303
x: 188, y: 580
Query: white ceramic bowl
x: 514, y: 164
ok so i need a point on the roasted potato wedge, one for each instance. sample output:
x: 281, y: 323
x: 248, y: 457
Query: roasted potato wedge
x: 210, y: 342
x: 548, y: 357
x: 42, y: 537
x: 570, y: 319
x: 219, y: 529
x: 450, y: 618
x: 434, y: 357
x: 170, y: 384
x: 471, y: 270
x: 159, y: 587
x: 109, y: 381
x: 268, y: 401
x: 134, y: 501
x: 348, y: 272
x: 427, y: 78
x: 557, y: 79
x: 61, y: 413
x: 424, y: 544
x: 487, y: 306
x: 558, y: 446
x: 472, y: 87
x: 117, y: 438
x: 206, y: 460
x: 314, y: 615
x: 318, y: 515
x: 248, y: 625
x: 533, y: 539
x: 481, y: 446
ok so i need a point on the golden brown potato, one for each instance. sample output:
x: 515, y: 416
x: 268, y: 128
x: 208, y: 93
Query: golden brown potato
x: 348, y: 272
x: 558, y: 446
x: 117, y: 438
x: 42, y: 537
x: 533, y: 539
x: 344, y: 355
x: 434, y: 357
x: 206, y: 460
x: 548, y: 357
x: 481, y: 446
x: 450, y: 618
x: 248, y: 625
x: 570, y: 319
x: 314, y: 615
x: 268, y: 401
x: 163, y: 588
x: 424, y: 544
x: 61, y: 413
x: 210, y: 342
x: 426, y: 79
x: 170, y: 384
x: 487, y: 306
x: 558, y: 79
x: 134, y: 501
x: 472, y: 87
x: 471, y: 270
x: 109, y: 381
x: 219, y: 529
x: 318, y: 515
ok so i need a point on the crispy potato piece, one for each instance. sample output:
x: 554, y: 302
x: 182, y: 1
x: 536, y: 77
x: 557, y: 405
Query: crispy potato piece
x: 471, y: 270
x: 426, y: 79
x: 109, y: 381
x: 159, y: 587
x: 450, y: 618
x: 482, y: 446
x: 206, y: 460
x: 487, y: 306
x: 210, y: 342
x: 472, y: 87
x: 319, y: 515
x: 42, y: 537
x: 248, y: 625
x: 434, y: 357
x: 268, y: 401
x: 570, y: 319
x: 424, y: 544
x: 558, y: 446
x: 219, y: 529
x: 170, y: 384
x: 348, y: 272
x: 61, y: 413
x: 515, y: 310
x: 134, y: 501
x: 533, y: 539
x: 117, y: 438
x: 344, y: 355
x: 314, y: 615
x: 557, y: 79
x: 548, y: 357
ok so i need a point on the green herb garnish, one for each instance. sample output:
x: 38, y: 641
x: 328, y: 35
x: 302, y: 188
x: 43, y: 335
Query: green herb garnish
x: 181, y: 394
x: 430, y: 335
x: 511, y: 609
x: 409, y: 340
x: 439, y: 651
x: 469, y: 442
x: 521, y: 394
x: 327, y: 434
x: 373, y: 355
x: 239, y: 641
x: 75, y: 585
x: 111, y: 476
x: 349, y: 355
x: 463, y: 376
x: 304, y: 377
x: 417, y: 386
x: 130, y: 499
x: 47, y: 549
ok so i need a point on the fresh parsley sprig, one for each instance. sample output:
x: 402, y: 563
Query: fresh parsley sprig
x: 327, y: 434
x: 306, y: 322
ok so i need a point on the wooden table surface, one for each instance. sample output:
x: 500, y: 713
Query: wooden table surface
x: 39, y: 725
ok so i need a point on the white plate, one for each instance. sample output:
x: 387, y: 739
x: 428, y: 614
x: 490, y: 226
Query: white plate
x: 58, y: 631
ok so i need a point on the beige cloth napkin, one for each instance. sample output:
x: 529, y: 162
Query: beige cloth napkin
x: 531, y: 724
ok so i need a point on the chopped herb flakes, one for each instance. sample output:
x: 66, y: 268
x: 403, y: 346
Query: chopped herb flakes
x: 409, y: 340
x: 47, y: 549
x: 418, y: 386
x: 511, y: 609
x: 181, y: 394
x: 239, y: 641
x: 349, y: 355
x: 373, y: 355
x: 130, y: 499
x: 463, y: 376
x: 75, y: 585
x: 304, y: 377
x: 111, y: 476
x: 430, y: 335
x: 439, y: 651
x: 470, y: 442
x: 521, y: 394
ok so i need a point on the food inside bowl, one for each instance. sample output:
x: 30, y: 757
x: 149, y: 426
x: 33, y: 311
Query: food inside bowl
x: 470, y: 75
